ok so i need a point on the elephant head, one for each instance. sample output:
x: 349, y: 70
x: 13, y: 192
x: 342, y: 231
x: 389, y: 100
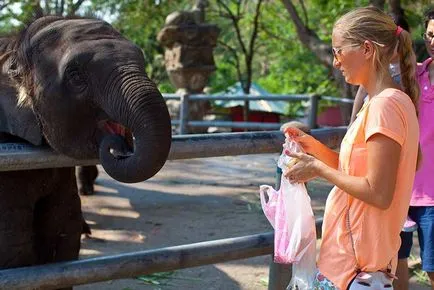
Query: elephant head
x: 82, y: 87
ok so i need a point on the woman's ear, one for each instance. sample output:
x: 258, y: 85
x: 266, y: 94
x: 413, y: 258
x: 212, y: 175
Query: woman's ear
x: 368, y: 49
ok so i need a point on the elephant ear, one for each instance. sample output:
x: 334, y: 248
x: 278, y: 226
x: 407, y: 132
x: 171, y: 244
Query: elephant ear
x: 17, y: 120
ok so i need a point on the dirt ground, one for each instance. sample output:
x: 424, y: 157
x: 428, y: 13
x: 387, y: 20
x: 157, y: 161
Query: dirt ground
x: 187, y: 202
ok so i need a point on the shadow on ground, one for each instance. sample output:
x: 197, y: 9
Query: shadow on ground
x: 187, y: 202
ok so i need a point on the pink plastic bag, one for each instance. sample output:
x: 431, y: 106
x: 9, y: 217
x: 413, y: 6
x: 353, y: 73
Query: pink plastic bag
x: 289, y: 212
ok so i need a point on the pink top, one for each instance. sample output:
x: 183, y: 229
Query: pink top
x: 423, y: 187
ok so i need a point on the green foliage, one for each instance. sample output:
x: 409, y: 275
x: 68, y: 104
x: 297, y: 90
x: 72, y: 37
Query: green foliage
x: 281, y: 64
x: 140, y: 21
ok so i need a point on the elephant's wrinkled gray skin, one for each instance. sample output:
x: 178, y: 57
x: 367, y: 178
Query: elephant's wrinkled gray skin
x: 82, y: 90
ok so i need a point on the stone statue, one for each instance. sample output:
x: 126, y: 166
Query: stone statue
x: 193, y: 17
x: 189, y: 44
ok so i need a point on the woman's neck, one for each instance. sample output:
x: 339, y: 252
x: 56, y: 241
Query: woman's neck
x: 375, y: 85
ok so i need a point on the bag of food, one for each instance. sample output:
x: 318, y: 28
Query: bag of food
x: 289, y: 212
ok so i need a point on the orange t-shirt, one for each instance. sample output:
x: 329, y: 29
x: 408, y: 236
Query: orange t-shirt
x: 375, y: 231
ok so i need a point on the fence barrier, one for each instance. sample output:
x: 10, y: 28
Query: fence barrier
x: 66, y: 274
x: 19, y: 157
x: 184, y: 123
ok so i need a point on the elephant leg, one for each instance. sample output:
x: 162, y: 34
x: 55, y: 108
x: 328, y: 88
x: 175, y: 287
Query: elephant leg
x: 86, y: 228
x: 16, y: 233
x: 58, y: 224
x: 86, y: 176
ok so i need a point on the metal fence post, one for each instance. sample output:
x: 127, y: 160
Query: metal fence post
x: 279, y: 275
x: 183, y: 114
x: 314, y: 102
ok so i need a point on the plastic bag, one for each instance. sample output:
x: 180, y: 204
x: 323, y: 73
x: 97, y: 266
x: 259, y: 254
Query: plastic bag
x: 289, y: 212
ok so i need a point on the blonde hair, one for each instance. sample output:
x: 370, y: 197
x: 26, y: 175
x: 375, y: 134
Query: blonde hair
x: 372, y: 24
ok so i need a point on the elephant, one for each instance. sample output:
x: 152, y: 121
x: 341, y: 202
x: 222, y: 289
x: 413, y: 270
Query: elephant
x: 86, y: 176
x: 78, y: 86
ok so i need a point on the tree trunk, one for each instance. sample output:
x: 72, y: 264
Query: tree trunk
x: 396, y: 9
x: 321, y: 49
x: 378, y: 3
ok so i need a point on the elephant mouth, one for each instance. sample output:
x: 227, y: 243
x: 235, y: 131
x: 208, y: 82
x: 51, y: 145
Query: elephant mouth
x: 124, y: 146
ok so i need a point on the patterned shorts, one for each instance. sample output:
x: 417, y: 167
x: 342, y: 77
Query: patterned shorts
x: 322, y: 283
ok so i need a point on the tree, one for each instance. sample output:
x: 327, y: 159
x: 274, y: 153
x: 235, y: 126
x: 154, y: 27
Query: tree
x: 239, y: 44
x: 15, y: 14
x: 140, y: 21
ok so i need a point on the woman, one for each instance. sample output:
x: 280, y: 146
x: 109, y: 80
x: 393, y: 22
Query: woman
x: 375, y: 168
x: 422, y: 201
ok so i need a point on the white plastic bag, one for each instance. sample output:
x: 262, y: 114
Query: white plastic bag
x: 290, y: 213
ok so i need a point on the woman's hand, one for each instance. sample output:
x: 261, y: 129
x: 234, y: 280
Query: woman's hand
x: 305, y: 169
x: 306, y: 141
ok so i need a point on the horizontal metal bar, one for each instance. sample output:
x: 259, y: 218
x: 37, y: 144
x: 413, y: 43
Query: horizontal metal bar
x: 338, y: 100
x: 249, y: 97
x: 171, y: 97
x: 229, y: 124
x: 66, y: 274
x: 267, y: 97
x: 15, y: 156
x: 133, y: 264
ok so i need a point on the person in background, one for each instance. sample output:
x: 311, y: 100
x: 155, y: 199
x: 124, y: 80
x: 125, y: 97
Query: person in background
x: 422, y: 200
x: 375, y: 167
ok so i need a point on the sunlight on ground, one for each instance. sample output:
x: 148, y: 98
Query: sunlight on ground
x: 119, y: 213
x: 100, y: 188
x: 118, y: 236
x: 89, y: 252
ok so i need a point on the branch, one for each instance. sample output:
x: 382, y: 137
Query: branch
x: 303, y: 7
x: 234, y: 52
x: 377, y: 3
x: 235, y: 21
x: 274, y: 36
x: 251, y: 52
x: 38, y: 12
x: 4, y: 5
x: 308, y: 37
x: 75, y: 7
x: 61, y: 8
x: 255, y: 30
x: 395, y: 8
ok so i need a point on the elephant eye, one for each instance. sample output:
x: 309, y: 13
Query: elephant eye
x: 75, y: 80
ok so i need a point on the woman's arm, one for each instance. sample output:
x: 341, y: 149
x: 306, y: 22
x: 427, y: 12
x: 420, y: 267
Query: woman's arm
x: 376, y: 188
x: 321, y: 152
x: 314, y: 147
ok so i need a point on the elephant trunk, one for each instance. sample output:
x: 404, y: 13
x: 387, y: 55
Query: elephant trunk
x: 140, y: 107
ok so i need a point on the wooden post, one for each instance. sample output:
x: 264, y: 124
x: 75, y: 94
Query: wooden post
x: 183, y: 114
x: 279, y: 275
x: 314, y: 101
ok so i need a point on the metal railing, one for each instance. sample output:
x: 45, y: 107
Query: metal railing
x: 129, y: 265
x: 184, y: 123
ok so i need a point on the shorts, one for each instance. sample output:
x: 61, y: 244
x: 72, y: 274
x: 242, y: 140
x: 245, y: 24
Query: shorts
x: 423, y: 216
x: 322, y: 283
